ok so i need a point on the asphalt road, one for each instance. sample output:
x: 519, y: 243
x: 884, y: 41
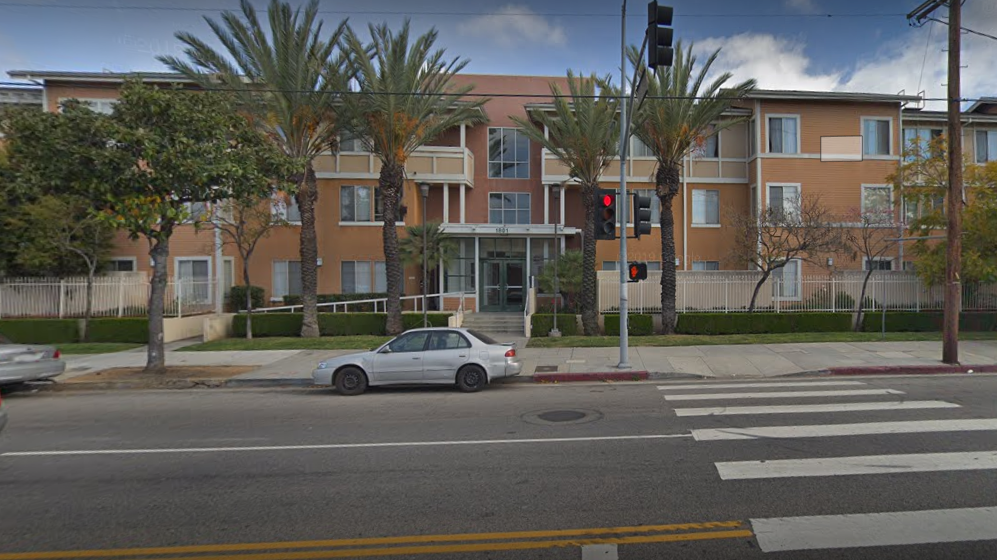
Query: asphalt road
x: 627, y: 471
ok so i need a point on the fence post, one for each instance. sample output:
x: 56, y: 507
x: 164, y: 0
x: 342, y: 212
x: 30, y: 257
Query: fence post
x: 834, y: 296
x: 121, y: 297
x: 179, y: 292
x: 62, y: 298
x: 726, y: 296
x: 776, y: 297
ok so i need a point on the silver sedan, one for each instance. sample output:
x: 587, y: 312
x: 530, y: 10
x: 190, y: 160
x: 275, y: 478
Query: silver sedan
x: 439, y: 356
x: 28, y: 362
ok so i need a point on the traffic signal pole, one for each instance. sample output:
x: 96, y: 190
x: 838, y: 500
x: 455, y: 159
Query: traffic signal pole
x: 624, y: 216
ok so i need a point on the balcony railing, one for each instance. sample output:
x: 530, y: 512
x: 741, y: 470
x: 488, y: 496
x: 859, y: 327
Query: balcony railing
x: 429, y: 163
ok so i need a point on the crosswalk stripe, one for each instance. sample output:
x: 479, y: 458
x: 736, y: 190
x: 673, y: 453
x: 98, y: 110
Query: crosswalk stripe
x: 869, y: 464
x: 781, y: 394
x: 876, y: 529
x: 830, y: 430
x: 811, y: 408
x: 706, y: 386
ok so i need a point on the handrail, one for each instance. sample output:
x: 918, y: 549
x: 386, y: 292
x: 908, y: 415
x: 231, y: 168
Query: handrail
x: 346, y: 304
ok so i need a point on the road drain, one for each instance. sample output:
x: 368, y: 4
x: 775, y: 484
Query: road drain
x: 553, y: 417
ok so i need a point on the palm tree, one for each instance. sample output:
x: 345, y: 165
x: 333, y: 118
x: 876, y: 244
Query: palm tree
x: 583, y: 133
x: 404, y: 99
x: 440, y: 246
x: 679, y: 113
x: 289, y: 81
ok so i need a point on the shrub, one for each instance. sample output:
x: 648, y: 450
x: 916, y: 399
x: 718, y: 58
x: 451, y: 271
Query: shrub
x: 332, y: 324
x: 931, y: 321
x: 269, y: 324
x: 120, y: 329
x: 638, y: 324
x: 414, y: 320
x: 237, y: 297
x: 336, y: 298
x: 542, y: 323
x: 758, y: 323
x: 40, y: 331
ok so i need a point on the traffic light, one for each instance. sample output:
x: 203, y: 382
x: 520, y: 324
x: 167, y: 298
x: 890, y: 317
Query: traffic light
x: 605, y: 223
x: 642, y: 215
x: 659, y: 35
x: 637, y: 271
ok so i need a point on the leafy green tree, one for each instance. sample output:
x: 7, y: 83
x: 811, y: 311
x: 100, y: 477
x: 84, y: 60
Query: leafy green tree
x: 405, y: 98
x: 183, y: 147
x: 440, y: 247
x: 680, y: 112
x: 570, y: 277
x: 584, y: 134
x: 289, y: 79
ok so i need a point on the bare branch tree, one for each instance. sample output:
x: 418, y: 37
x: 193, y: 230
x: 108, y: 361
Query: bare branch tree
x: 801, y: 229
x: 869, y: 237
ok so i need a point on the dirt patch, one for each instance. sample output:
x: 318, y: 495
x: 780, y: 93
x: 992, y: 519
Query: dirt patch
x: 172, y: 373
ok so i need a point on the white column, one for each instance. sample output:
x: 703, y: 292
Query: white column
x: 564, y: 194
x: 477, y: 265
x: 219, y: 272
x: 546, y: 204
x: 446, y: 203
x: 463, y: 203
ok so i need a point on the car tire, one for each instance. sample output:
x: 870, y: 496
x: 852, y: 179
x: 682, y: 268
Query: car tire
x: 351, y: 381
x: 471, y: 379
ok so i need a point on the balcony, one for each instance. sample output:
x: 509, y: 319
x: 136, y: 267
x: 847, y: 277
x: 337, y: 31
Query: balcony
x: 436, y: 164
x: 639, y: 170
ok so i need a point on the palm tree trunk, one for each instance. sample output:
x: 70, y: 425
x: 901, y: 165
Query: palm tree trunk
x: 590, y: 316
x: 390, y: 181
x: 155, y: 354
x: 667, y: 183
x: 307, y: 195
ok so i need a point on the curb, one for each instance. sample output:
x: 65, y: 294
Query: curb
x: 922, y: 369
x: 177, y: 384
x: 591, y: 376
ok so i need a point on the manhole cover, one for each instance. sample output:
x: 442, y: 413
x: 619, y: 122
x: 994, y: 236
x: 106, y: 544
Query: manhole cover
x: 545, y: 369
x: 562, y: 415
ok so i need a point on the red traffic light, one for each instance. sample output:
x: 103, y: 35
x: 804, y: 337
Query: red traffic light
x: 607, y: 200
x: 634, y: 271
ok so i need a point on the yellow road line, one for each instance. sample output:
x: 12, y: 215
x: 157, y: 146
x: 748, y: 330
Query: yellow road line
x: 413, y: 539
x: 475, y: 547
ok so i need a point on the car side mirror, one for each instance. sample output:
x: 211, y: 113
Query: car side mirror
x: 385, y: 350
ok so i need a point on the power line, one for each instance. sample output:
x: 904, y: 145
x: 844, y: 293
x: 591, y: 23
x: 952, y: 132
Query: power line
x: 454, y: 13
x: 925, y: 58
x: 966, y: 29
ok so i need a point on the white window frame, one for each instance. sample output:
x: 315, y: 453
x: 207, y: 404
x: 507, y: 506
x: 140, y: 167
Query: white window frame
x: 132, y: 260
x: 878, y: 186
x: 799, y: 283
x: 633, y: 142
x: 517, y: 209
x: 890, y: 150
x: 273, y: 270
x: 489, y: 161
x: 705, y: 263
x: 799, y: 133
x: 865, y: 262
x: 102, y: 105
x: 280, y: 208
x: 191, y: 218
x: 696, y: 154
x: 976, y: 150
x: 339, y: 140
x: 372, y: 276
x: 768, y: 194
x: 373, y: 221
x: 692, y: 208
x: 196, y: 258
x: 228, y: 262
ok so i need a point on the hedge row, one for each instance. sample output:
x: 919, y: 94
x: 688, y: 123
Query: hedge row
x: 64, y: 331
x: 542, y: 323
x: 909, y: 321
x: 758, y: 323
x: 637, y: 324
x: 331, y: 324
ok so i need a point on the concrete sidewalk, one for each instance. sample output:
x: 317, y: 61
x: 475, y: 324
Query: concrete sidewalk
x: 730, y: 361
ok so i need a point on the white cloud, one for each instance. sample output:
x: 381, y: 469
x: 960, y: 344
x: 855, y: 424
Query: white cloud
x: 775, y: 62
x: 514, y: 25
x: 801, y: 6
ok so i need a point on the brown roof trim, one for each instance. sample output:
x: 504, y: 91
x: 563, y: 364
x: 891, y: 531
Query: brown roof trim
x: 112, y: 77
x: 831, y: 96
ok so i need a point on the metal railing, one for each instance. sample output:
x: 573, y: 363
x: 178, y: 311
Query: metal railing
x: 376, y: 305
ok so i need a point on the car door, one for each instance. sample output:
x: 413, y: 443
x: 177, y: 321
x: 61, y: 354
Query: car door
x: 400, y: 361
x: 446, y: 352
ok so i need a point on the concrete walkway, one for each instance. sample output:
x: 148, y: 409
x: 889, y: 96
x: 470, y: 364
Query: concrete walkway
x: 731, y: 361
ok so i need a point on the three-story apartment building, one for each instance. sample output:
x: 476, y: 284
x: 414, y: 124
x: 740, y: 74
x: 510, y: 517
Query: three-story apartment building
x: 511, y: 205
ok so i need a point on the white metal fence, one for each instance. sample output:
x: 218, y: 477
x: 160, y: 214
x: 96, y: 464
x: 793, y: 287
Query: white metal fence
x: 116, y: 295
x: 730, y: 292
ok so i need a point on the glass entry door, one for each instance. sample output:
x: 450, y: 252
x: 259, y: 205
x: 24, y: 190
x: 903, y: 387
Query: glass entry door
x: 504, y: 285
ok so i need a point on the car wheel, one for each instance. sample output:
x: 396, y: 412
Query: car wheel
x: 351, y: 381
x: 471, y: 379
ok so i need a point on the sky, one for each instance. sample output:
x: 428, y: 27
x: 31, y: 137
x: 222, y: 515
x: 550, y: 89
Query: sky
x: 840, y: 45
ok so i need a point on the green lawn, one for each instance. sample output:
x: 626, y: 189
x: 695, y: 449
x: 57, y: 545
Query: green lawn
x: 364, y: 342
x: 95, y: 347
x: 781, y: 338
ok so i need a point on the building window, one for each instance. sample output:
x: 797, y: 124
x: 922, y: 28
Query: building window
x: 914, y: 209
x: 783, y: 135
x: 784, y: 200
x: 705, y: 207
x: 508, y: 208
x: 508, y: 154
x: 349, y: 143
x: 787, y: 281
x: 877, y: 264
x: 639, y: 149
x: 355, y: 204
x: 459, y: 276
x: 877, y: 203
x: 986, y: 146
x: 193, y: 276
x: 356, y: 277
x: 655, y: 205
x: 380, y: 277
x: 286, y: 279
x: 197, y: 212
x: 286, y: 207
x: 876, y: 137
x: 121, y: 264
x: 706, y: 265
x: 610, y: 265
x: 710, y: 148
x: 919, y: 139
x: 103, y: 106
x: 910, y: 266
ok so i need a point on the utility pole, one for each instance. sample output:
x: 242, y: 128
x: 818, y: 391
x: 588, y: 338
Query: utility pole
x: 624, y: 134
x: 953, y: 249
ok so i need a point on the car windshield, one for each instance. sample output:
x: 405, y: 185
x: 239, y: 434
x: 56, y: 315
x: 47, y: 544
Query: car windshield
x: 483, y: 337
